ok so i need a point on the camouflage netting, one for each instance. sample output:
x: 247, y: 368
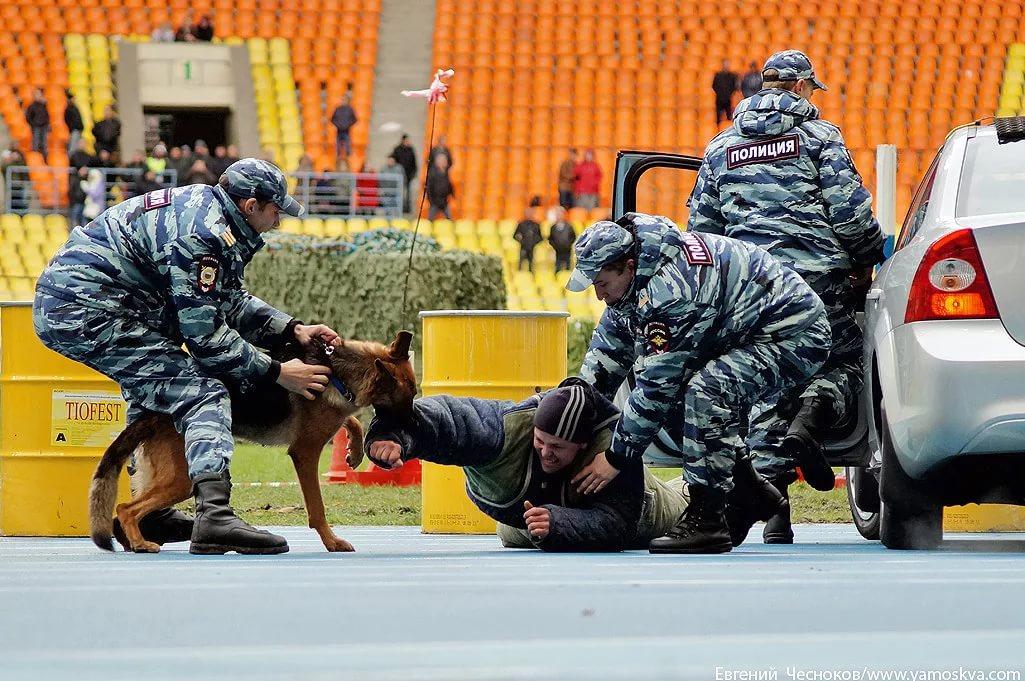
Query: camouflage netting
x: 356, y: 286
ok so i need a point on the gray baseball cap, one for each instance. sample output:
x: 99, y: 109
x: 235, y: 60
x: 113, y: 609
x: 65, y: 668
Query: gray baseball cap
x: 602, y: 244
x: 253, y: 178
x: 793, y: 65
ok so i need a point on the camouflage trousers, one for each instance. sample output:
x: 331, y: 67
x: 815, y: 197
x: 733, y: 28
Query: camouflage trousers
x: 154, y: 374
x: 719, y: 398
x: 839, y: 380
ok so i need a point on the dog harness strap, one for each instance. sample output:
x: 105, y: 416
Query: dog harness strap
x: 340, y: 387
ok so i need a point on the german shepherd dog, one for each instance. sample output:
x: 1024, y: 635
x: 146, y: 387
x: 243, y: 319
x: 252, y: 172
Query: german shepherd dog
x: 363, y: 374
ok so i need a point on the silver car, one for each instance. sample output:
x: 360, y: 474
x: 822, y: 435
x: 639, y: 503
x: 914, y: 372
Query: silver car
x: 942, y: 417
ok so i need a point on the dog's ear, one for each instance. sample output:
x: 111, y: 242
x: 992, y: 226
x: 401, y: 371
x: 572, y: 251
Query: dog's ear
x: 383, y: 370
x: 399, y: 349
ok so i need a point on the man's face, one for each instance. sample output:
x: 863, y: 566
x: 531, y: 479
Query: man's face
x: 611, y: 285
x: 261, y: 219
x: 554, y: 452
x: 805, y: 88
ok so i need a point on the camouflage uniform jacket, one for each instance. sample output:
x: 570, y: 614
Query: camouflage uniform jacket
x: 173, y: 259
x: 783, y: 179
x: 693, y: 298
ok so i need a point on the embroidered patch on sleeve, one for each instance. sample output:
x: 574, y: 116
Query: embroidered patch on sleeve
x: 696, y: 250
x: 657, y: 336
x: 206, y: 273
x: 156, y: 199
x: 767, y: 151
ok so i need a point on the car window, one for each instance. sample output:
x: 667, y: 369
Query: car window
x: 992, y: 178
x: 916, y: 213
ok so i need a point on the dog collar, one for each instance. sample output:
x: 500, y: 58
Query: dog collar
x: 337, y: 382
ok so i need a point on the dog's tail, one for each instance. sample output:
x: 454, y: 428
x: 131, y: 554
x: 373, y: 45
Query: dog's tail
x: 103, y: 490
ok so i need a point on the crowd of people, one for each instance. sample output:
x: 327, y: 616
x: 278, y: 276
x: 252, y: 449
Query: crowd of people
x: 726, y: 83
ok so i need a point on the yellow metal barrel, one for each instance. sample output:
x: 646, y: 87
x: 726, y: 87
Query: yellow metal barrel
x: 56, y: 419
x: 493, y: 354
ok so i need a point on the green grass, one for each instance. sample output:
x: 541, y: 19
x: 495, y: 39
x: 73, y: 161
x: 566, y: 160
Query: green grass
x: 356, y: 505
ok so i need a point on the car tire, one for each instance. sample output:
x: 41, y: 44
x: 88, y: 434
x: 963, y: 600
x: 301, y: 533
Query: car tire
x: 909, y: 518
x: 862, y: 488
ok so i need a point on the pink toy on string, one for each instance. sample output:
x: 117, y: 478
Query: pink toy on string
x: 436, y: 92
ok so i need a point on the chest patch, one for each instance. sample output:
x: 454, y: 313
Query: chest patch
x: 206, y: 273
x: 657, y: 336
x: 157, y: 199
x: 696, y: 250
x: 778, y: 149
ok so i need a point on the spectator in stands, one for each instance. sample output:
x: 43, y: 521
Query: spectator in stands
x: 338, y: 191
x: 103, y: 160
x: 186, y: 33
x: 73, y: 119
x: 232, y: 154
x: 198, y: 174
x: 752, y: 82
x: 405, y: 156
x: 305, y: 181
x: 76, y: 197
x: 163, y: 33
x: 158, y: 161
x: 528, y: 234
x: 137, y: 165
x: 724, y: 84
x: 80, y: 156
x: 219, y: 163
x: 204, y: 30
x: 38, y: 117
x: 146, y: 183
x: 107, y: 132
x: 343, y: 118
x: 588, y: 181
x: 201, y: 152
x: 390, y: 170
x: 439, y: 188
x: 95, y: 195
x: 567, y: 179
x: 177, y: 162
x: 561, y: 237
x: 440, y: 148
x: 268, y: 155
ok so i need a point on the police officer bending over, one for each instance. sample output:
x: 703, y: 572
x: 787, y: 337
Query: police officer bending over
x: 711, y: 326
x: 523, y: 467
x: 781, y: 178
x: 166, y: 268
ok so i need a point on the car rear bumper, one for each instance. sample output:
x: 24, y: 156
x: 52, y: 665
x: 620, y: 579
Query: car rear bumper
x: 958, y: 389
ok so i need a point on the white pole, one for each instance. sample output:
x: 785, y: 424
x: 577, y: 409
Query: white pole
x: 886, y: 188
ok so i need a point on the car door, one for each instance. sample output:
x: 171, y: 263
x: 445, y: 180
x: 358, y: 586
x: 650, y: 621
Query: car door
x: 642, y: 182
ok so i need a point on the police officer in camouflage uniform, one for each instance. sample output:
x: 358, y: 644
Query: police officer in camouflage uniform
x: 781, y: 178
x: 710, y: 326
x: 165, y: 269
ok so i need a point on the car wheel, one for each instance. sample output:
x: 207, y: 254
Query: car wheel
x: 909, y: 518
x: 862, y: 488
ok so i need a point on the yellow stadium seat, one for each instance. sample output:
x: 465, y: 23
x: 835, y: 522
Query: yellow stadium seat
x: 403, y: 224
x: 291, y: 225
x: 334, y: 228
x: 355, y: 225
x: 378, y: 223
x: 313, y: 227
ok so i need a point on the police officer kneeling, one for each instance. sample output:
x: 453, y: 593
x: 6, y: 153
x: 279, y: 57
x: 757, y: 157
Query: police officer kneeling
x: 705, y: 320
x: 524, y: 462
x: 166, y: 268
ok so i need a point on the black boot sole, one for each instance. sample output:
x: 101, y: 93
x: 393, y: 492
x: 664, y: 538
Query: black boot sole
x: 221, y: 549
x: 724, y: 547
x: 817, y: 471
x: 778, y: 538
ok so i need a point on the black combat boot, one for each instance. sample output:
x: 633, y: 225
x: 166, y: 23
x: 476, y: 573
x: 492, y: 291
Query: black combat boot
x: 751, y: 499
x: 803, y: 442
x: 701, y: 528
x: 778, y: 530
x: 161, y: 527
x: 218, y: 530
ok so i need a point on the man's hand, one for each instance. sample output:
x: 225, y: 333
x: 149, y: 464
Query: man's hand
x: 539, y: 520
x: 595, y: 475
x: 303, y: 379
x: 861, y: 282
x: 304, y: 334
x: 386, y: 454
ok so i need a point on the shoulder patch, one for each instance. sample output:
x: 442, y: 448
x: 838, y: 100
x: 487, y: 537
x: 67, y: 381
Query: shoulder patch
x: 763, y: 151
x: 156, y: 199
x: 228, y: 238
x: 696, y: 249
x: 207, y: 270
x: 657, y: 337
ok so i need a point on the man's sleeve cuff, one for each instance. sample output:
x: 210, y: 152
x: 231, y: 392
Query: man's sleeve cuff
x: 273, y: 372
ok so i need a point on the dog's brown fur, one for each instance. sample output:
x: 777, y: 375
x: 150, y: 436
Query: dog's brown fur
x: 375, y: 375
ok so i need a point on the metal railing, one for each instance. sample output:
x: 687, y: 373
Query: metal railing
x: 349, y: 194
x: 42, y: 188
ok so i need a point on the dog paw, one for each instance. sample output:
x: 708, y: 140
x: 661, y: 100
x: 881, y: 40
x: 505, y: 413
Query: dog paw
x: 353, y: 457
x: 146, y: 547
x: 338, y: 545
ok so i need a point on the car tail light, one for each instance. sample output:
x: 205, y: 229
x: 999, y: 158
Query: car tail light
x: 951, y: 282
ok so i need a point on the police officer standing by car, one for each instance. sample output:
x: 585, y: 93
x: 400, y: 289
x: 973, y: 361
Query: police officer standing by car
x: 166, y: 268
x: 782, y: 178
x: 712, y: 326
